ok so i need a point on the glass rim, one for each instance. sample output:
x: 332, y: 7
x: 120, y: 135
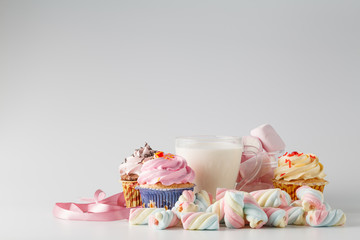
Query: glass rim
x: 208, y: 138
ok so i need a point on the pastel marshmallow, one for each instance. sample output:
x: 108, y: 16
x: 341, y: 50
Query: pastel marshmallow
x: 277, y: 217
x: 271, y: 141
x: 162, y: 220
x: 255, y: 216
x: 323, y: 218
x: 252, y: 144
x: 200, y: 221
x: 233, y: 209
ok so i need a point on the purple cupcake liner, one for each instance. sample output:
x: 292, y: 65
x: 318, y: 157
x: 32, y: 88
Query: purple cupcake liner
x: 160, y: 198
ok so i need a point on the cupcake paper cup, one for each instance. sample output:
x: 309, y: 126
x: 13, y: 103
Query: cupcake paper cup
x: 160, y: 198
x: 291, y: 187
x: 131, y: 194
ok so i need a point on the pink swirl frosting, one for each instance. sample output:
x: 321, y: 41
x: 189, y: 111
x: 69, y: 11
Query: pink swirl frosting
x: 167, y: 170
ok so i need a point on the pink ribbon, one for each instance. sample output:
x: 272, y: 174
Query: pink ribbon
x: 99, y: 209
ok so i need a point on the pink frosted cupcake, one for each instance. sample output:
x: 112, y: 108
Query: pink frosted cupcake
x: 163, y: 179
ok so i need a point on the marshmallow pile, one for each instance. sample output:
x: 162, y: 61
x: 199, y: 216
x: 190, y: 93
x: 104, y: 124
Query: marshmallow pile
x: 259, y: 158
x: 237, y: 209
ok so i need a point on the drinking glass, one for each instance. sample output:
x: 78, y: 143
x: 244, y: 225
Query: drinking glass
x: 215, y: 160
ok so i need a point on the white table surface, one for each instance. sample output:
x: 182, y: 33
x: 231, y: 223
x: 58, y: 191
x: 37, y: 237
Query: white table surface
x: 83, y: 83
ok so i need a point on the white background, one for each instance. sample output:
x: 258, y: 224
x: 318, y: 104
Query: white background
x: 84, y: 83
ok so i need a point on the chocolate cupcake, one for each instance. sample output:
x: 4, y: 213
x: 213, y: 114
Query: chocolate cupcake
x: 130, y: 170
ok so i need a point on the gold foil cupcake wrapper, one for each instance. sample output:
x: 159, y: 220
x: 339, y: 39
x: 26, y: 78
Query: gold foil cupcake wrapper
x: 132, y: 195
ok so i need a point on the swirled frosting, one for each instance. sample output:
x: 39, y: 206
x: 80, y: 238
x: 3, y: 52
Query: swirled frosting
x: 131, y: 167
x: 167, y: 170
x: 298, y: 166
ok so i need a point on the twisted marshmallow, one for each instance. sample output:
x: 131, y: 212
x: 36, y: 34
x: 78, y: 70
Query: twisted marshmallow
x: 140, y: 216
x: 296, y: 215
x: 323, y: 218
x: 203, y: 200
x: 200, y: 221
x: 187, y: 196
x: 327, y: 206
x: 296, y: 203
x: 299, y: 203
x: 185, y: 203
x: 253, y: 212
x: 277, y: 217
x: 311, y: 199
x: 233, y: 209
x: 272, y: 197
x: 220, y: 193
x: 162, y: 220
x: 217, y: 208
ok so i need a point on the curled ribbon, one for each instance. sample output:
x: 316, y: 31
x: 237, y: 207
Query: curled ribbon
x: 99, y: 209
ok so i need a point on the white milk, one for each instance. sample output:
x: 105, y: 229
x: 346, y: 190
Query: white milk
x: 216, y: 164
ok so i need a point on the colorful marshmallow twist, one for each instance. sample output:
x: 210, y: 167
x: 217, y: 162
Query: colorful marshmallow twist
x: 272, y: 197
x: 311, y: 199
x: 140, y: 216
x: 220, y: 193
x: 233, y: 209
x: 323, y: 218
x: 200, y: 221
x: 217, y: 208
x: 299, y: 203
x: 327, y: 206
x: 185, y: 203
x: 253, y: 212
x: 296, y: 215
x: 162, y: 220
x: 187, y: 196
x: 203, y: 200
x: 277, y: 217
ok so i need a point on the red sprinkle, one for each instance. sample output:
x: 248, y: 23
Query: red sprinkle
x: 159, y: 154
x: 293, y: 154
x: 288, y: 161
x: 282, y: 174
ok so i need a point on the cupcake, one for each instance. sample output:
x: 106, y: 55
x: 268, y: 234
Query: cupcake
x: 163, y: 180
x: 298, y: 169
x: 130, y: 170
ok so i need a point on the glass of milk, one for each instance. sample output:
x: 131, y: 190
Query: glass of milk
x: 215, y: 160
